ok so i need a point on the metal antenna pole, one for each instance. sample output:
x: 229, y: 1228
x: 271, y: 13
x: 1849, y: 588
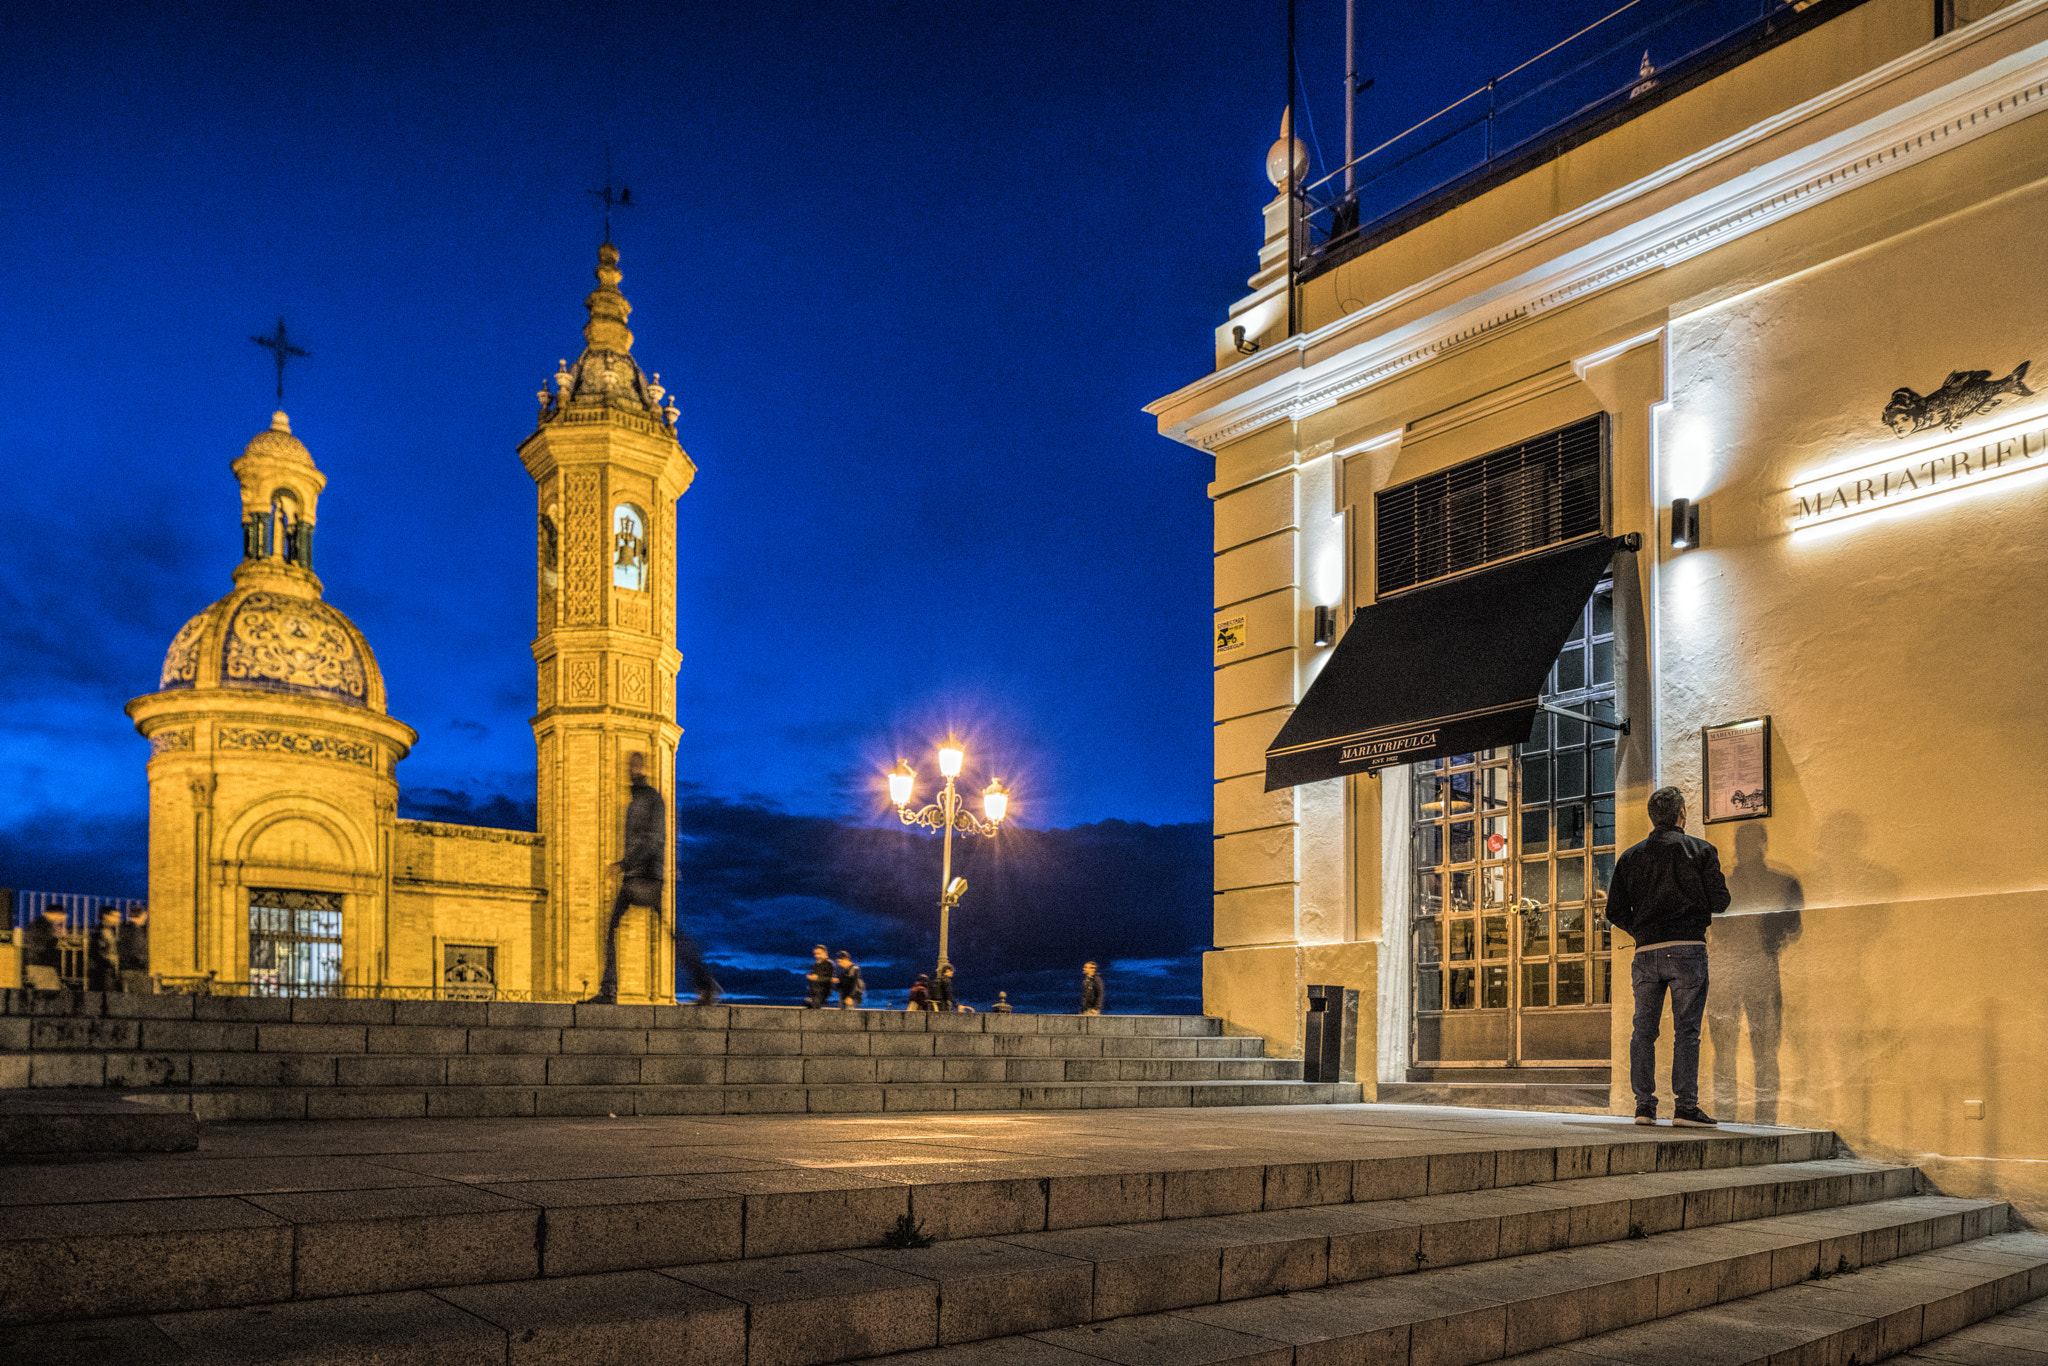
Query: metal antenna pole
x: 1287, y: 153
x: 1350, y: 84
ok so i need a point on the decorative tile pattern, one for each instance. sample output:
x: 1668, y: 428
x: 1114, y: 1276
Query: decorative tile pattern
x: 170, y: 741
x: 583, y: 553
x: 633, y: 682
x: 579, y: 679
x: 296, y: 742
x: 293, y: 644
x: 181, y: 661
x: 663, y: 566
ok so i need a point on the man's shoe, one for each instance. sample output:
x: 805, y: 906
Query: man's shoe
x: 598, y: 1001
x: 1694, y: 1118
x: 1646, y: 1114
x: 708, y: 998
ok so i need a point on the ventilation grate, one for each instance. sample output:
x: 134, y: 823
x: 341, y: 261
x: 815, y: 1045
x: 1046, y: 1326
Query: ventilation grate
x: 1524, y: 498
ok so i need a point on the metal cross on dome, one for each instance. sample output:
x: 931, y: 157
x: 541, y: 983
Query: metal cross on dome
x: 621, y: 198
x: 279, y: 345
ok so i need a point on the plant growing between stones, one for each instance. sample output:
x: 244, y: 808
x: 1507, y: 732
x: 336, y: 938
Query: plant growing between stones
x: 1637, y: 1231
x: 908, y: 1232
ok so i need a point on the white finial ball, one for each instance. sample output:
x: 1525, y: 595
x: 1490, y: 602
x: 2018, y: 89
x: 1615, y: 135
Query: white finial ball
x: 1276, y: 161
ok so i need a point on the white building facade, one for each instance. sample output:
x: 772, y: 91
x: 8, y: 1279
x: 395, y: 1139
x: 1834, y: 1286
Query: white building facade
x: 1712, y: 420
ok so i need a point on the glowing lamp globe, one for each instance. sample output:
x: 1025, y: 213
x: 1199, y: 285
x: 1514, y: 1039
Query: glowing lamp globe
x: 901, y: 779
x: 995, y: 801
x: 950, y: 756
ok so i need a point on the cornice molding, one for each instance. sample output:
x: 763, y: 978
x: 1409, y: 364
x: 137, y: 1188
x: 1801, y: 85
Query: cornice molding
x: 445, y: 830
x: 1993, y: 97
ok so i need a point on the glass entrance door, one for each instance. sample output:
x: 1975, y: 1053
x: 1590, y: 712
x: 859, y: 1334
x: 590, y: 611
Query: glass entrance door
x: 294, y: 943
x: 1513, y: 849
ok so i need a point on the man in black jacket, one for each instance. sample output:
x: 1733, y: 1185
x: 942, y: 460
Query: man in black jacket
x: 1091, y: 990
x: 1665, y: 893
x: 640, y: 869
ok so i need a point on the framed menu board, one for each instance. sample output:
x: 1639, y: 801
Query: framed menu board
x: 1738, y: 769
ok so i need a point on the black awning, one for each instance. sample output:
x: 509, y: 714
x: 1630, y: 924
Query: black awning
x: 1447, y: 669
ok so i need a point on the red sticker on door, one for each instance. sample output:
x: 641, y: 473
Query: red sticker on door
x: 1496, y: 842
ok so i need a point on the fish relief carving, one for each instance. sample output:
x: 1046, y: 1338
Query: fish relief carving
x: 1963, y: 395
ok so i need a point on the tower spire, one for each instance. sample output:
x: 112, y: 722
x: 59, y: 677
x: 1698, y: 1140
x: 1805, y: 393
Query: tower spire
x: 606, y: 330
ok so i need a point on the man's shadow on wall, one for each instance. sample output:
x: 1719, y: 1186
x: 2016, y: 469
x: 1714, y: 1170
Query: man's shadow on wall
x: 1745, y: 970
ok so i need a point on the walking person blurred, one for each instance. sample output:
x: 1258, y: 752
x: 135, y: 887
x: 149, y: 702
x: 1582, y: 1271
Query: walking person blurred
x: 818, y: 978
x: 851, y: 989
x: 640, y: 869
x: 134, y: 945
x: 1091, y: 990
x: 42, y: 951
x: 1665, y: 893
x: 942, y: 990
x: 103, y: 953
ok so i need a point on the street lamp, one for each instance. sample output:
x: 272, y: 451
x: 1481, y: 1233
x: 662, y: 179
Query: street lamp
x: 948, y: 814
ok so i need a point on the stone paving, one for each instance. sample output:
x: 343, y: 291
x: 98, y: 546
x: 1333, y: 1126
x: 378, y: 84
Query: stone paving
x: 764, y: 1154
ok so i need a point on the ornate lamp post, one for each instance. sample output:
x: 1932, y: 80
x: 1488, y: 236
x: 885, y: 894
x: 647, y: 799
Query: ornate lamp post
x: 948, y: 814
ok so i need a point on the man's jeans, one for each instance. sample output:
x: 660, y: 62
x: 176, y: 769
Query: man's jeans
x: 1682, y: 969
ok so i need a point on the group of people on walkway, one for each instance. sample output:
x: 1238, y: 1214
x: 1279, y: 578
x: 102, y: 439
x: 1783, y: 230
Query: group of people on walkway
x: 116, y: 951
x: 829, y: 975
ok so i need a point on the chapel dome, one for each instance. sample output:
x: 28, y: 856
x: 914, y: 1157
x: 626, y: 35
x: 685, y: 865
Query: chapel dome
x: 273, y: 633
x: 277, y: 441
x: 264, y: 637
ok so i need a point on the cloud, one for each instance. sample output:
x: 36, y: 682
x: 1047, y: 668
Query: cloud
x: 57, y: 851
x: 756, y: 886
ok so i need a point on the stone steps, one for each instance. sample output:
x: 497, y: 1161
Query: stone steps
x: 233, y: 1058
x: 1668, y: 1299
x: 173, y: 1236
x: 1292, y: 1286
x: 33, y: 1123
x: 2017, y: 1337
x: 217, y: 1105
x: 287, y: 1067
x: 1497, y: 1095
x: 1920, y: 1306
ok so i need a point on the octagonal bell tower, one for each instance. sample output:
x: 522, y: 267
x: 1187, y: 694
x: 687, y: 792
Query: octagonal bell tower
x: 605, y: 461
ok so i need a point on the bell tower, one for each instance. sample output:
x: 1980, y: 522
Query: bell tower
x: 605, y: 461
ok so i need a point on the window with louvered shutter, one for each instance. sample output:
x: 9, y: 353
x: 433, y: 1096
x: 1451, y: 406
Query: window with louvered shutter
x: 1527, y: 497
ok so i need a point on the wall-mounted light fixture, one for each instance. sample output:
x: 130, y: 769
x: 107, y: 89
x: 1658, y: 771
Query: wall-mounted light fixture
x: 1685, y: 524
x: 1244, y: 348
x: 1326, y: 625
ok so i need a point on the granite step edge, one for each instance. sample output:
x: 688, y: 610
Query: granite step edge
x: 759, y: 1317
x: 285, y: 1246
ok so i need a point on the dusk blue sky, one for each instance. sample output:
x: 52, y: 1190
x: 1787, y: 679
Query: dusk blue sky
x: 910, y: 270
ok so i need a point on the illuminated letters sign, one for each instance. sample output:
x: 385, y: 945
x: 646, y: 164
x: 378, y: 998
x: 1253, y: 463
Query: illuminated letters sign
x: 1382, y: 752
x: 1903, y: 479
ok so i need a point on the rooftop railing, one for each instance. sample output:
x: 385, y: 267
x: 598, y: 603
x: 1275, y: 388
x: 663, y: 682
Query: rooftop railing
x: 1618, y: 59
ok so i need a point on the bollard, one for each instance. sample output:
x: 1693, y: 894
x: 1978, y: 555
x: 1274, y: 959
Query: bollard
x: 1329, y: 1049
